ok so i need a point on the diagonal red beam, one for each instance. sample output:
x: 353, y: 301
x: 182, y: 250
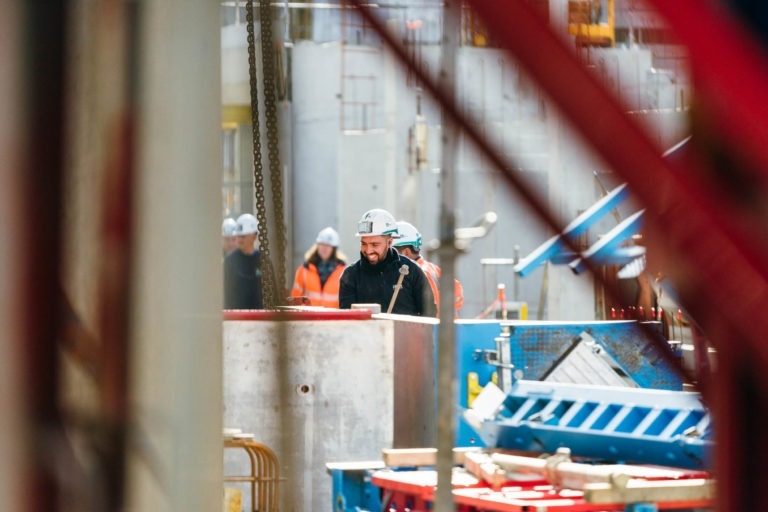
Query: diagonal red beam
x: 710, y: 257
x: 519, y: 184
x: 731, y: 74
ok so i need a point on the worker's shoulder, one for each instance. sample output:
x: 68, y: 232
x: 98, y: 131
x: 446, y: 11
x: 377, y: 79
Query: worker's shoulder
x: 352, y: 268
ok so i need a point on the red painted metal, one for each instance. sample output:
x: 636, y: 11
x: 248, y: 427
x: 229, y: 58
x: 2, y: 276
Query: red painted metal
x: 550, y: 499
x: 415, y: 491
x: 296, y: 315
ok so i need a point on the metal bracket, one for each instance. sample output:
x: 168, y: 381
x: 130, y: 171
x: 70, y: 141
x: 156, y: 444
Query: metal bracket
x: 491, y: 357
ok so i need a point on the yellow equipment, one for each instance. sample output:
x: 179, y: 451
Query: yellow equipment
x: 592, y: 22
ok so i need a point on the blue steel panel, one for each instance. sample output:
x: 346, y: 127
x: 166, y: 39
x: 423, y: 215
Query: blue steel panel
x: 352, y: 491
x: 472, y: 335
x: 606, y: 423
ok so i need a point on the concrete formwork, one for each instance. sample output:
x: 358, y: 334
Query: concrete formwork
x: 327, y: 391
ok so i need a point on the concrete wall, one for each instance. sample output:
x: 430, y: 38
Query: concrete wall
x: 327, y: 391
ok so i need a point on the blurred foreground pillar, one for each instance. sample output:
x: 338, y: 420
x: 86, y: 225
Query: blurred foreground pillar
x: 176, y: 380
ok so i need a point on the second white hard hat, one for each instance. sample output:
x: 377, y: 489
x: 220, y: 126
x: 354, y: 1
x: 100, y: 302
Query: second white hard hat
x: 328, y: 236
x: 408, y: 235
x: 376, y: 222
x: 247, y: 225
x: 229, y: 227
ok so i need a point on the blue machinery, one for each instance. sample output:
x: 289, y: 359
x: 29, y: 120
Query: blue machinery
x: 536, y: 350
x: 646, y: 419
x: 650, y: 426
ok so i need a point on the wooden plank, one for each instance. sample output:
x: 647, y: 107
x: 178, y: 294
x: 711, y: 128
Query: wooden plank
x: 695, y: 489
x: 482, y: 467
x: 399, y: 457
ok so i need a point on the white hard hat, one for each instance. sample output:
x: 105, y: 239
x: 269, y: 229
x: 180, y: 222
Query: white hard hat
x: 376, y: 222
x: 228, y: 227
x: 328, y: 236
x: 409, y: 235
x: 247, y: 225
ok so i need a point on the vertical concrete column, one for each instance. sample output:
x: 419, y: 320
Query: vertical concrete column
x: 11, y: 231
x: 176, y: 461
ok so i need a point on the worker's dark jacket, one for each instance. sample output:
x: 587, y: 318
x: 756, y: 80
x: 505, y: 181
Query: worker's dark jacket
x: 362, y: 282
x: 242, y: 280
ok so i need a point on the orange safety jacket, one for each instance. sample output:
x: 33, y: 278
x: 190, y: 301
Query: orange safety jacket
x: 307, y: 283
x: 433, y: 276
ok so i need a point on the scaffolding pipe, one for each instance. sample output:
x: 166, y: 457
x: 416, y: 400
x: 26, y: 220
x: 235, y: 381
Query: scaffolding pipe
x: 446, y: 382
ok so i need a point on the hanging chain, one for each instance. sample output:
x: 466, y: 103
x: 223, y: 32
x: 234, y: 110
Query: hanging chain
x: 273, y: 150
x: 258, y: 171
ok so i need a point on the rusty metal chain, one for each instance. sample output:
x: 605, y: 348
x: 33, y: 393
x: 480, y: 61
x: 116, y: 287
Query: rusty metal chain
x: 268, y: 286
x: 273, y: 150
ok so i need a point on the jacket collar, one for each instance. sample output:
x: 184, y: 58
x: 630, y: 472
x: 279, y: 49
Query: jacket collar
x: 392, y: 256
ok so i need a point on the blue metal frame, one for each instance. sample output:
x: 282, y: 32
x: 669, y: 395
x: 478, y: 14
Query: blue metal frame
x: 472, y: 336
x: 607, y: 250
x: 352, y: 489
x: 619, y: 424
x: 555, y: 245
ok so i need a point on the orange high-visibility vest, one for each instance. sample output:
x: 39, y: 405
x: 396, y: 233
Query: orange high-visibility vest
x: 307, y: 283
x: 433, y: 276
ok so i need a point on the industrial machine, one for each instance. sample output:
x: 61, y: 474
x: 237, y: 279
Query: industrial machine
x: 617, y: 424
x: 612, y: 353
x: 602, y: 392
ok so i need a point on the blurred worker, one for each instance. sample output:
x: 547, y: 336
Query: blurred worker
x: 409, y: 244
x: 374, y: 278
x: 243, y: 269
x: 228, y: 236
x: 318, y: 277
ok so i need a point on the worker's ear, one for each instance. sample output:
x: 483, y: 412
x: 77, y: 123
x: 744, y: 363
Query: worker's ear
x: 389, y: 242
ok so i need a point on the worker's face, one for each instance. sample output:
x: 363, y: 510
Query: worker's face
x: 375, y: 248
x: 229, y: 243
x: 324, y: 251
x: 245, y: 243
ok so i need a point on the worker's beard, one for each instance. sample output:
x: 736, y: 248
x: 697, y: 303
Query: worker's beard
x: 374, y: 258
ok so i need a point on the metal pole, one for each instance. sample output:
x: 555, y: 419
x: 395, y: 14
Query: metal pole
x: 447, y: 255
